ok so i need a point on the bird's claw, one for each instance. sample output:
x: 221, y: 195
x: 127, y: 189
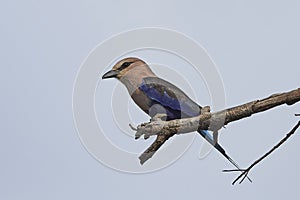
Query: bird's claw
x: 159, y: 117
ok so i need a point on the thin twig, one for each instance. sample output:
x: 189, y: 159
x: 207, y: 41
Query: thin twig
x: 246, y: 171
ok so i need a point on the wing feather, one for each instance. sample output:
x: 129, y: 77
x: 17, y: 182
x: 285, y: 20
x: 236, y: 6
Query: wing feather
x: 170, y: 97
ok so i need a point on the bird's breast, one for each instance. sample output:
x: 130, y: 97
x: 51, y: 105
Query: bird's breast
x: 141, y: 100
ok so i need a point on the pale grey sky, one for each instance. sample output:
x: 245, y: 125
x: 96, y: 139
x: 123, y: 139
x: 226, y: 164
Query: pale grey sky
x: 254, y: 44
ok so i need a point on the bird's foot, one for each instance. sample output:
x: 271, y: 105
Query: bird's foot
x: 205, y: 109
x: 159, y: 117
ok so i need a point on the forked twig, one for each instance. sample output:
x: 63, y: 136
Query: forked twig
x: 245, y: 172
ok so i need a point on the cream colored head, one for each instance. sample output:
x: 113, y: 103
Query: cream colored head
x: 130, y: 71
x: 129, y: 67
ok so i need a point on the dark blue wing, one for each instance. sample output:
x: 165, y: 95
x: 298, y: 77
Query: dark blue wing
x: 176, y: 103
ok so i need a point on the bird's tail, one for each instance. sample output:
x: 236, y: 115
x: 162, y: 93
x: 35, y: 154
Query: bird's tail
x: 208, y: 137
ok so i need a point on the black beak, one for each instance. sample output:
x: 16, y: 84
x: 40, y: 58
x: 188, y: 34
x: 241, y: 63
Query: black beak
x: 110, y: 74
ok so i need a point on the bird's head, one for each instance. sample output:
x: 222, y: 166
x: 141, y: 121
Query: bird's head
x: 129, y: 68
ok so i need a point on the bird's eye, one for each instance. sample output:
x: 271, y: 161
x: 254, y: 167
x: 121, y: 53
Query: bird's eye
x: 125, y: 65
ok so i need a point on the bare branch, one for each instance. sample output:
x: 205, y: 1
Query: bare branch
x: 209, y: 121
x: 245, y: 172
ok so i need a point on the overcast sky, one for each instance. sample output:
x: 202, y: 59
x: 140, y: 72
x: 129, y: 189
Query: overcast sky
x: 255, y: 46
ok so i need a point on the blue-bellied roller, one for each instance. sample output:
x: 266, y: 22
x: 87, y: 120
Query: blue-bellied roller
x: 155, y: 95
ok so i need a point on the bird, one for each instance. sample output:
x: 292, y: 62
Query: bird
x: 155, y: 95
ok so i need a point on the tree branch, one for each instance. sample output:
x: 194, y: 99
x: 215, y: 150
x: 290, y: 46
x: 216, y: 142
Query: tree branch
x: 208, y: 121
x: 245, y: 172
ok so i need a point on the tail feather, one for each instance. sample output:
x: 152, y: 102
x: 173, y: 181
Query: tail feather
x: 209, y: 138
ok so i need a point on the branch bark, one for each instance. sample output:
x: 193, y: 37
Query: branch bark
x: 208, y: 121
